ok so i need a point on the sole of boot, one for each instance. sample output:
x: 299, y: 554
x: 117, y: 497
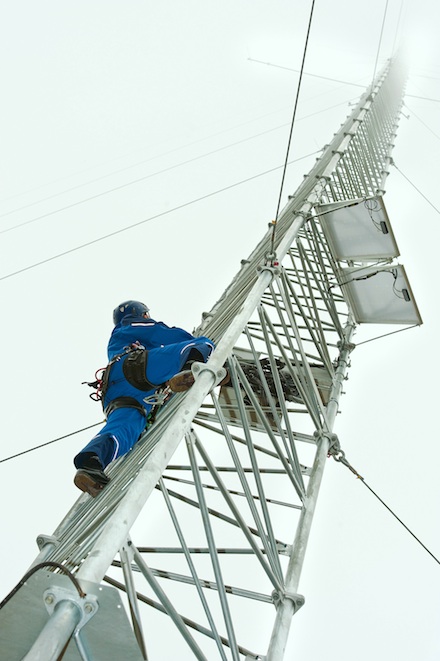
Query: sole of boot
x: 182, y: 381
x: 225, y: 380
x: 86, y: 483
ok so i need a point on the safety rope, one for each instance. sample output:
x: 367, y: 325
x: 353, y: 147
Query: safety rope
x: 60, y: 438
x: 339, y: 456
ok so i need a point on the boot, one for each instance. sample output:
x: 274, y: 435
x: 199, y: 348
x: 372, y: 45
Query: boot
x: 184, y: 380
x: 91, y: 478
x: 181, y: 381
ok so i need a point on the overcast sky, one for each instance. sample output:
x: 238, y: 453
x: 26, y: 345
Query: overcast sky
x: 140, y: 114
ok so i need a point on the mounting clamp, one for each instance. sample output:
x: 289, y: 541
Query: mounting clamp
x: 219, y: 374
x: 42, y: 540
x: 87, y: 605
x: 297, y: 599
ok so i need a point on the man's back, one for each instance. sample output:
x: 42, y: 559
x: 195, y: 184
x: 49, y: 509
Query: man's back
x: 149, y: 333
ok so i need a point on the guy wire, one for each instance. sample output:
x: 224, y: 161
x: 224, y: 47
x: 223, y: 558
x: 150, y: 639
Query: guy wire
x: 272, y: 246
x: 380, y: 41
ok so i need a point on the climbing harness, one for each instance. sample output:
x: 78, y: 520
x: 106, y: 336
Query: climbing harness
x: 124, y: 402
x: 102, y: 375
x: 134, y: 369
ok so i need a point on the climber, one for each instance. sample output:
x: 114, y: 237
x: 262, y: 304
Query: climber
x: 143, y: 355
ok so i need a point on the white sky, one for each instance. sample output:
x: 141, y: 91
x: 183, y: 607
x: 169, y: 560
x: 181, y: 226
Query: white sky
x: 97, y: 95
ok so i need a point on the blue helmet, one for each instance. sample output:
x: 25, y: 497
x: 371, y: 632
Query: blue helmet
x: 129, y: 309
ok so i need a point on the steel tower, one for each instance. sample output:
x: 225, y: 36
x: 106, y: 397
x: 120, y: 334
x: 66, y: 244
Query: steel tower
x: 227, y: 478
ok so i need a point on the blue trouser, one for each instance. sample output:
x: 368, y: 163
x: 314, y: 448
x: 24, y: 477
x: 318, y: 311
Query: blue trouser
x: 125, y: 425
x: 116, y: 438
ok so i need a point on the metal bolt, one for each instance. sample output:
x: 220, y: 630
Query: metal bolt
x: 88, y: 608
x: 49, y: 599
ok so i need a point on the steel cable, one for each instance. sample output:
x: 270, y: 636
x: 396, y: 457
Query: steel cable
x: 339, y: 455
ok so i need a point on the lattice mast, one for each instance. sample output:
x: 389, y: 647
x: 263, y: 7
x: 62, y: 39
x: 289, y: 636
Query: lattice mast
x: 284, y: 329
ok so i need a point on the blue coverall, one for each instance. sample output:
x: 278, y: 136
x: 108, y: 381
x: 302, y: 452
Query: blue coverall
x: 168, y: 350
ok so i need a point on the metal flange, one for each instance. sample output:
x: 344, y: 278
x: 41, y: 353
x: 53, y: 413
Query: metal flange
x: 297, y: 599
x: 87, y: 605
